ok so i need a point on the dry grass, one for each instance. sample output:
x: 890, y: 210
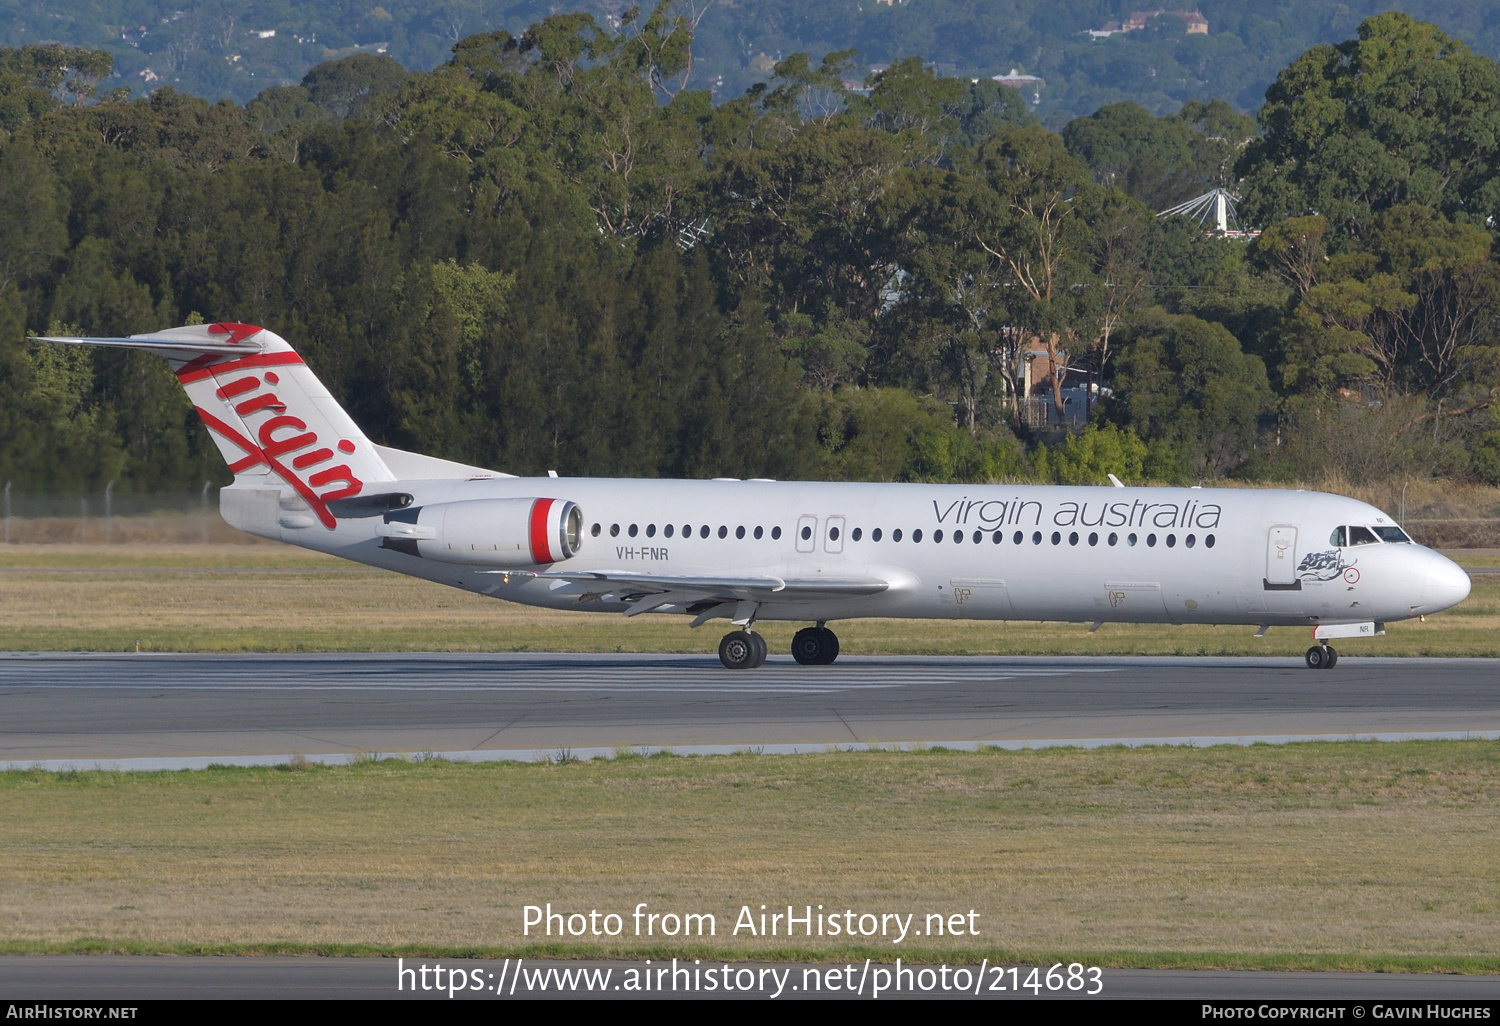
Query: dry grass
x: 278, y: 598
x: 1365, y: 850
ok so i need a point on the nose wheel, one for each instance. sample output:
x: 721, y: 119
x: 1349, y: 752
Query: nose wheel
x: 742, y: 650
x: 1321, y: 657
x: 815, y: 646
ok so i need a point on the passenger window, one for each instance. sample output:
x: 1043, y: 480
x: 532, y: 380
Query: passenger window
x: 806, y: 533
x: 775, y: 532
x: 723, y: 531
x: 1338, y: 539
x: 1130, y: 539
x: 1018, y: 537
x: 1056, y: 537
x: 703, y: 531
x: 633, y: 530
x: 875, y: 534
x: 1190, y: 541
x: 896, y: 534
x: 916, y: 535
x: 650, y: 530
x: 1208, y: 541
x: 758, y: 532
x: 1151, y: 541
x: 614, y: 530
x: 1362, y: 536
x: 999, y: 538
x: 857, y: 534
x: 1036, y: 537
x: 595, y: 531
x: 1113, y: 538
x: 1093, y: 537
x: 667, y: 531
x: 739, y: 532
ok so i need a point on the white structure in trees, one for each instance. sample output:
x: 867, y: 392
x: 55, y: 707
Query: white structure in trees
x: 1214, y: 211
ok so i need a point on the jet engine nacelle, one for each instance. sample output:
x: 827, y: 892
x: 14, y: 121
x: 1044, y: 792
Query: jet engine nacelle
x: 489, y: 532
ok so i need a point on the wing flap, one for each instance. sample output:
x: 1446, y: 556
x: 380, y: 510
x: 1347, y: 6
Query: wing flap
x: 759, y: 588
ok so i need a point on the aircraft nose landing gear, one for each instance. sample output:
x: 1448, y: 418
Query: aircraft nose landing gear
x: 1321, y: 657
x: 815, y: 646
x: 742, y: 650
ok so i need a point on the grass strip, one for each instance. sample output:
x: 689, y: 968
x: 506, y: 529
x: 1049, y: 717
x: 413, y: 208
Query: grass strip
x: 306, y: 602
x: 1198, y: 961
x: 1349, y: 855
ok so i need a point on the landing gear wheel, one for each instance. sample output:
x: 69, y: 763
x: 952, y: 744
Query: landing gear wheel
x: 760, y: 649
x: 1318, y: 658
x: 737, y: 650
x: 807, y: 646
x: 830, y: 646
x: 815, y: 646
x: 1333, y: 658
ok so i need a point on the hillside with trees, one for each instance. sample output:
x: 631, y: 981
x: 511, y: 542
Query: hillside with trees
x: 1090, y: 53
x: 547, y: 253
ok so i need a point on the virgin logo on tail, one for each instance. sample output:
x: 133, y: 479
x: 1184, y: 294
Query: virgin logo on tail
x: 280, y: 435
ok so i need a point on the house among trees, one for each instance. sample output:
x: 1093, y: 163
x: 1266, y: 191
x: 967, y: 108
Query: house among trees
x: 1194, y: 21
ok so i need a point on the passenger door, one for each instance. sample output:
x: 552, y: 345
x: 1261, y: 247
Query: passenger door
x: 1281, y: 558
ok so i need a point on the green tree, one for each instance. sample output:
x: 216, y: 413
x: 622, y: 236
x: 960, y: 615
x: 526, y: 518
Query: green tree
x: 349, y: 87
x: 1159, y: 161
x: 1186, y: 382
x: 1402, y: 114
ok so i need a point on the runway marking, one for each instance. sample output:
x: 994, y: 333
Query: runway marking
x: 463, y: 688
x: 697, y: 680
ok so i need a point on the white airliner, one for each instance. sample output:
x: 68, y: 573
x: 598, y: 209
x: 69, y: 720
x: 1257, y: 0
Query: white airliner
x: 748, y: 551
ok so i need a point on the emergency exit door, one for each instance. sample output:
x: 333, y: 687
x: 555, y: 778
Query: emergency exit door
x: 807, y: 533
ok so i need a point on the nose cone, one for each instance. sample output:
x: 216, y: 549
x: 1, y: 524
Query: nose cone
x: 1447, y: 585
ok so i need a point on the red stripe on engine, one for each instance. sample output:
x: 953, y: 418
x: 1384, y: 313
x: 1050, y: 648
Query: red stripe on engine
x: 541, y: 549
x: 195, y: 371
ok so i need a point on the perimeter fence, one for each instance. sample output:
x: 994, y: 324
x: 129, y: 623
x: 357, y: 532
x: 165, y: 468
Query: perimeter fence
x: 177, y: 518
x: 105, y: 518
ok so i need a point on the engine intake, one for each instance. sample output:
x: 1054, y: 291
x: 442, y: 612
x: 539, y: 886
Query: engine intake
x: 487, y: 532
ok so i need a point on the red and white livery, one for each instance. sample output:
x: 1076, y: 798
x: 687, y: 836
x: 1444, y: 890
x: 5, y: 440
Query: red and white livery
x: 747, y: 551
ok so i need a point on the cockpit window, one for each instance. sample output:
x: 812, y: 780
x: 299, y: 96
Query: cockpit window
x: 1391, y: 534
x: 1339, y: 538
x: 1362, y: 536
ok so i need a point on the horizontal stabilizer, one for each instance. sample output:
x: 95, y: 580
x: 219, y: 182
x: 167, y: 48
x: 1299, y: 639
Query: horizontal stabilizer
x: 181, y: 345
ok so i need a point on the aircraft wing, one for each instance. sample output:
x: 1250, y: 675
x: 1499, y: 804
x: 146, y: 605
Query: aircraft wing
x: 728, y: 588
x: 646, y: 592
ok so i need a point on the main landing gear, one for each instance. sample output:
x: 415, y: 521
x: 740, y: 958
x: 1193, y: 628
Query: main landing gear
x: 1321, y: 657
x: 815, y: 646
x: 811, y: 646
x: 742, y: 650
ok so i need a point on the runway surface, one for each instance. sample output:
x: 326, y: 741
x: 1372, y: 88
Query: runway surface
x: 127, y: 978
x: 101, y: 707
